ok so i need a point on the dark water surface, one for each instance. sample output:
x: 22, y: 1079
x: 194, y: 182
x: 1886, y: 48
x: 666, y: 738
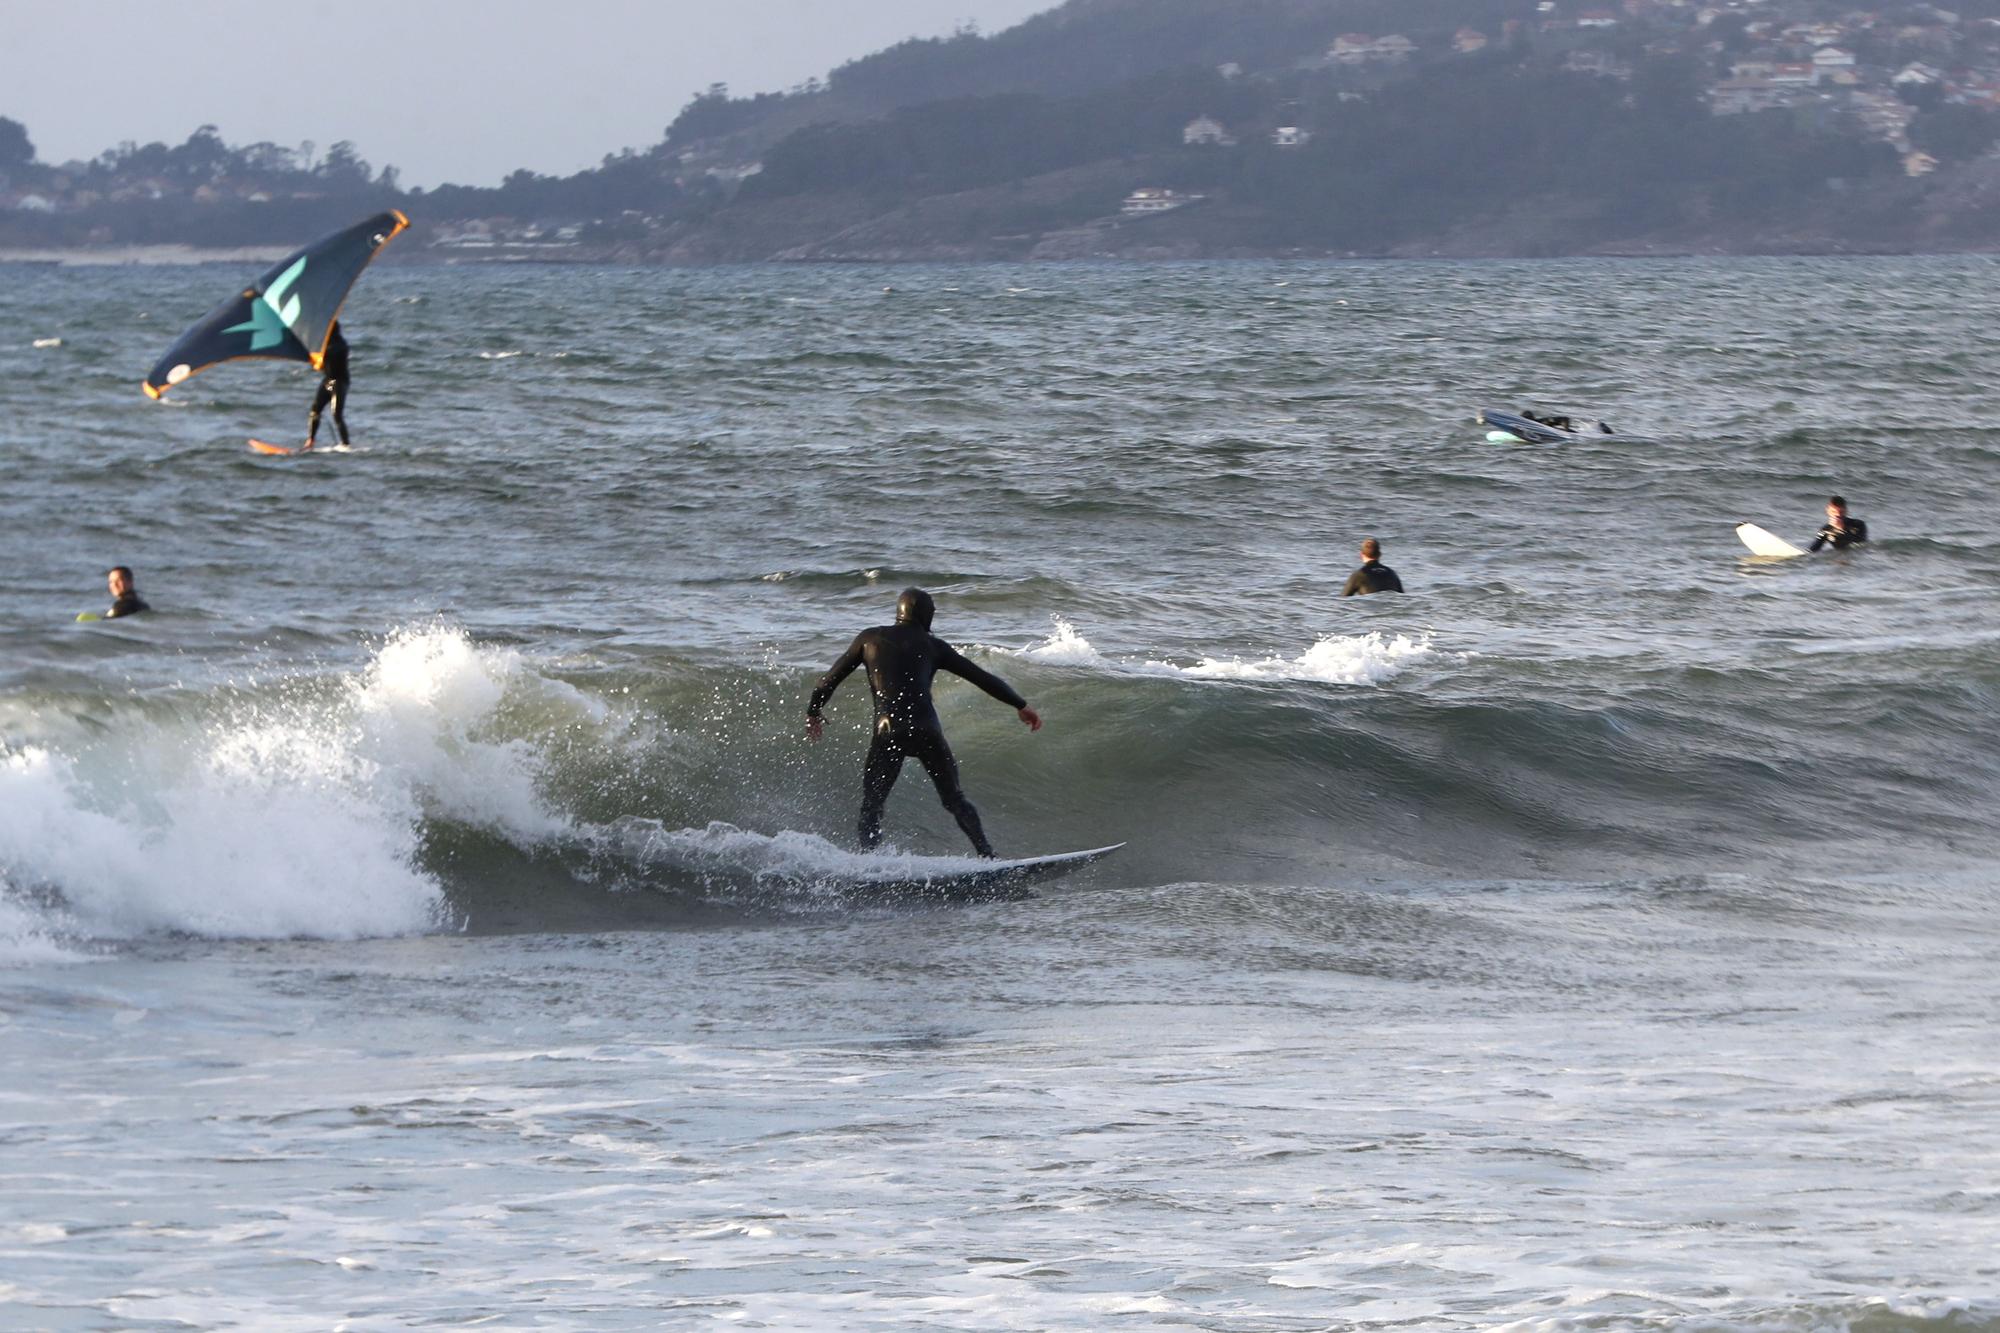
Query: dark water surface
x: 430, y: 913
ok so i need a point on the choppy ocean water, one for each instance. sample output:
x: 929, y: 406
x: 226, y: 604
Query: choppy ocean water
x: 427, y: 915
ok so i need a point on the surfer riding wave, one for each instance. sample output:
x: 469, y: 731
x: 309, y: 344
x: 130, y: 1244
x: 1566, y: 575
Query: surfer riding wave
x: 902, y: 661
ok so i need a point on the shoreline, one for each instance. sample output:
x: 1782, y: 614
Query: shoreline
x: 142, y: 255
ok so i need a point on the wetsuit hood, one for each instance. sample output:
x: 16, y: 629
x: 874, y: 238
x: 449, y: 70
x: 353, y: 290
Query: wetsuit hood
x: 915, y: 607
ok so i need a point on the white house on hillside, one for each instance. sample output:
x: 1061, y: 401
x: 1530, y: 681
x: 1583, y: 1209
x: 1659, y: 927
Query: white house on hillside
x: 1157, y: 201
x: 1357, y: 48
x: 1206, y: 130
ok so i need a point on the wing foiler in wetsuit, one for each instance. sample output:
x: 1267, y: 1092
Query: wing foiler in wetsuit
x: 332, y: 387
x: 901, y: 660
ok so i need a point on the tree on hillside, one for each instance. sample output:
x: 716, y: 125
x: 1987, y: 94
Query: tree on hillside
x: 345, y: 167
x: 714, y: 113
x: 16, y: 149
x: 1955, y: 133
x: 203, y: 158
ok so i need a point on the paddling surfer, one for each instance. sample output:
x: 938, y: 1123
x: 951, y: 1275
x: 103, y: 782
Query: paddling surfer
x: 902, y: 659
x: 332, y: 388
x: 1842, y: 529
x: 1573, y: 425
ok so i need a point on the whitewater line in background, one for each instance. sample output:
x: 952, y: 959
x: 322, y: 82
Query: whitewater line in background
x: 1360, y: 659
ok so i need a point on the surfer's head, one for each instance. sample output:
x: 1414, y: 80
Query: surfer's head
x: 119, y: 580
x: 1836, y: 507
x: 915, y: 607
x: 1371, y: 549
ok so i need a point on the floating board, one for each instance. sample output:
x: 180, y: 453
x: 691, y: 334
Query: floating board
x: 85, y: 617
x: 1764, y: 543
x: 989, y: 879
x: 265, y: 447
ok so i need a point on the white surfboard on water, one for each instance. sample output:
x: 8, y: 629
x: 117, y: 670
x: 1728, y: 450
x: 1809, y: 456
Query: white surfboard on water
x: 1761, y: 542
x: 955, y: 879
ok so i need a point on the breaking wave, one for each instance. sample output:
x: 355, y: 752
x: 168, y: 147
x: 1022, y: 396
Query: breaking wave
x: 445, y: 784
x: 294, y: 814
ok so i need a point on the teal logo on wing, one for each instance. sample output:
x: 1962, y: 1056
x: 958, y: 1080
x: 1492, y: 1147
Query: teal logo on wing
x: 271, y: 313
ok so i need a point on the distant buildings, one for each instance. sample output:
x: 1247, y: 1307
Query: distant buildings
x: 1601, y: 63
x: 1355, y: 48
x: 1150, y: 200
x: 1206, y: 131
x: 1744, y: 96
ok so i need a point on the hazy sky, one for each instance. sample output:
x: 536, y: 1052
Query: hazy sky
x: 448, y: 90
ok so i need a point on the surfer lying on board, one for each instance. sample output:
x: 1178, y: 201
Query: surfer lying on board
x: 1841, y: 530
x: 125, y: 599
x: 1574, y: 425
x: 902, y: 659
x: 332, y: 388
x: 1373, y: 576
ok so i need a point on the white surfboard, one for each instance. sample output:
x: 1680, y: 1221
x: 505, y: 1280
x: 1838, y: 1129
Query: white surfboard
x: 1765, y: 543
x: 901, y: 877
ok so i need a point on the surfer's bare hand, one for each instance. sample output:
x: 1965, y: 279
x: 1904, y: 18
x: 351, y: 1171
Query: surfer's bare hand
x: 1032, y: 718
x: 812, y: 727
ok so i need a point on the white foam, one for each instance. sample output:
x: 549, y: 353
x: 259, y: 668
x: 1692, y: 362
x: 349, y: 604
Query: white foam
x: 299, y: 817
x: 424, y: 710
x: 1359, y: 659
x: 792, y: 857
x: 26, y: 935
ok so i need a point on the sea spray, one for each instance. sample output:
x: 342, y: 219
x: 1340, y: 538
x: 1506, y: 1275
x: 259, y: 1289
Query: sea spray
x: 293, y: 816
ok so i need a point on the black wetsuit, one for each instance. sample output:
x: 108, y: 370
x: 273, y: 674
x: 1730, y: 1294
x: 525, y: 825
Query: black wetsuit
x: 1853, y: 533
x: 1372, y: 577
x: 332, y: 387
x: 902, y: 659
x: 1570, y: 424
x: 131, y: 604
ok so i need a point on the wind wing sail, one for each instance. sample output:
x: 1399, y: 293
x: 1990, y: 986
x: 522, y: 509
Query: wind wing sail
x: 285, y: 314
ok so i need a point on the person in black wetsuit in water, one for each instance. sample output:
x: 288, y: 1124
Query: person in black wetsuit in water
x: 332, y: 387
x: 902, y: 659
x: 125, y: 599
x: 1841, y: 531
x: 1373, y: 576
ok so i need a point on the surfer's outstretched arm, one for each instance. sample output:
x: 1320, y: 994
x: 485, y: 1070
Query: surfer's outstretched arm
x: 950, y: 659
x: 830, y: 682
